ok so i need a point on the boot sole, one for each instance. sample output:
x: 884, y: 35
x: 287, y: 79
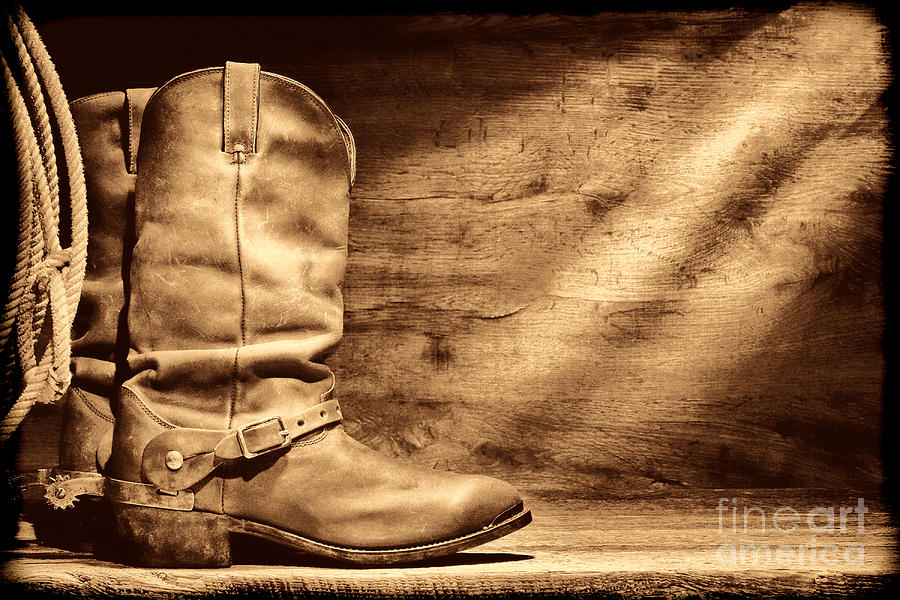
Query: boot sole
x: 155, y: 537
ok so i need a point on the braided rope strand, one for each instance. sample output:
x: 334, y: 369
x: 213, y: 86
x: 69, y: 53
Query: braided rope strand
x: 47, y: 279
x: 29, y: 309
x: 71, y: 152
x: 41, y: 120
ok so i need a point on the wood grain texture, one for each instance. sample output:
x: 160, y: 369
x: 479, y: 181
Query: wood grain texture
x: 666, y: 545
x: 591, y: 254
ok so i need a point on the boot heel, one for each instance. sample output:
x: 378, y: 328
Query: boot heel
x: 155, y: 537
x: 74, y: 529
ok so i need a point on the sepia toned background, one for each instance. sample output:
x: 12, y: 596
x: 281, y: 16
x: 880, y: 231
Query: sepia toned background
x: 592, y: 255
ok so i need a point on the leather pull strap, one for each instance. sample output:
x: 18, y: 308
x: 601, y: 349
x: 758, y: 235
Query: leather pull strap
x: 178, y: 458
x: 241, y: 108
x: 136, y: 99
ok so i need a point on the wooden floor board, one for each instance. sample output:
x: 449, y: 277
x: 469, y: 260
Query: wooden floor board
x: 662, y: 545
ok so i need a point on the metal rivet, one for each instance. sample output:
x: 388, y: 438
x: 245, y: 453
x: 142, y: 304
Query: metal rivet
x: 174, y: 460
x: 61, y: 493
x: 238, y: 147
x: 301, y: 423
x: 322, y: 414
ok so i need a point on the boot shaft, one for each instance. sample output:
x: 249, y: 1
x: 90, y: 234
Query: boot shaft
x: 241, y: 213
x: 108, y: 127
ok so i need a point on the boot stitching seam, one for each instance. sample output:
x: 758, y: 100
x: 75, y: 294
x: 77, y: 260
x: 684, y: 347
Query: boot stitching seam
x: 254, y: 126
x: 227, y: 108
x: 240, y: 266
x: 235, y: 368
x: 149, y: 412
x: 314, y: 101
x: 289, y: 84
x: 132, y: 159
x: 84, y: 99
x: 315, y: 440
x: 91, y: 406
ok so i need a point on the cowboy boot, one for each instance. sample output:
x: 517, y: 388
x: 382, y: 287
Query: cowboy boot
x: 227, y: 423
x: 108, y: 127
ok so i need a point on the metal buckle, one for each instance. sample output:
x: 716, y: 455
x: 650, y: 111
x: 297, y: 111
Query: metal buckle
x: 283, y: 432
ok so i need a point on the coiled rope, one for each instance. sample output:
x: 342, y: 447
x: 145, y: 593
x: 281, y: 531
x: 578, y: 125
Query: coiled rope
x: 46, y: 283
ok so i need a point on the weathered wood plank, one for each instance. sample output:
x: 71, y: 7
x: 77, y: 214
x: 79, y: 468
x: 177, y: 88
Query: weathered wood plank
x: 657, y: 545
x: 592, y: 254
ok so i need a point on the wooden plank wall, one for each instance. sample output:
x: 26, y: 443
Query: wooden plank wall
x: 592, y: 255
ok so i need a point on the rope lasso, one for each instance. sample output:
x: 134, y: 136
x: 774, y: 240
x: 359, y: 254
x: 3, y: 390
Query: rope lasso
x: 47, y: 278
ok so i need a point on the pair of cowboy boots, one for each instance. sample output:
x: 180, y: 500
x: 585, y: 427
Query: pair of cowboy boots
x: 221, y: 201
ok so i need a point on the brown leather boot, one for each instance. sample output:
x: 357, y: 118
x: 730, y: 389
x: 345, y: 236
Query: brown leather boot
x: 108, y: 127
x: 227, y: 423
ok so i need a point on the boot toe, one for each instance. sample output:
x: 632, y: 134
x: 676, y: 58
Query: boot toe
x: 488, y: 502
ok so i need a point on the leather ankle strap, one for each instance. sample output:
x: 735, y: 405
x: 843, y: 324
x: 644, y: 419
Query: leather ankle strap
x: 178, y: 458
